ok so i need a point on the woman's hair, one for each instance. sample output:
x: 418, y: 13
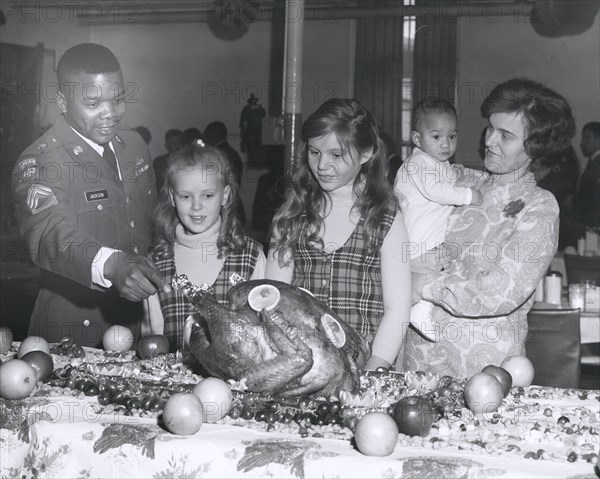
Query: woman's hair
x: 549, y: 123
x: 355, y: 129
x: 192, y: 156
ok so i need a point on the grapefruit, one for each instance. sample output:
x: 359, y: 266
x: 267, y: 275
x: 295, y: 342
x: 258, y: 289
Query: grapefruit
x: 33, y: 343
x: 183, y: 414
x: 483, y: 393
x: 376, y: 434
x: 521, y: 370
x: 216, y: 398
x: 117, y: 338
x: 17, y: 379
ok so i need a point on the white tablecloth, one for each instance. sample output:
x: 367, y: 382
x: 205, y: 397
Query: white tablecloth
x: 68, y: 439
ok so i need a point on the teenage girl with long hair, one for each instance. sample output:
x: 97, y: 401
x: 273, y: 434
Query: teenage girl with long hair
x: 340, y: 233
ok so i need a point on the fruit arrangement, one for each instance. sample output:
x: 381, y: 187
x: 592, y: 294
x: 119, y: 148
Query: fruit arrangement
x: 425, y: 410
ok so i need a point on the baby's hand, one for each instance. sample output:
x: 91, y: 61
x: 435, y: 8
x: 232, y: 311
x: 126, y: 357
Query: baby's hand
x: 476, y: 198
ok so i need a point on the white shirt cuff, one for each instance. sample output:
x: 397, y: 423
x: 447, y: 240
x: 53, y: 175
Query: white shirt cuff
x: 98, y: 267
x: 469, y: 196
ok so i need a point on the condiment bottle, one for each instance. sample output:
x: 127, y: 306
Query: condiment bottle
x: 553, y: 287
x: 581, y: 246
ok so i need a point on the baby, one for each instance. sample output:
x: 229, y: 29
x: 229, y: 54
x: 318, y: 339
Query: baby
x: 426, y: 185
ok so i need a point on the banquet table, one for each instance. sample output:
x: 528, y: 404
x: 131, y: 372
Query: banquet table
x: 63, y: 433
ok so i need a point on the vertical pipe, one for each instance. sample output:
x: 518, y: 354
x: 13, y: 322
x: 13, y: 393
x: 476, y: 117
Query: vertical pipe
x: 292, y: 79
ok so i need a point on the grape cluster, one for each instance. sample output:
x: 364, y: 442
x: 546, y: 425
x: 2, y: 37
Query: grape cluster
x: 302, y: 410
x: 132, y: 396
x: 68, y: 348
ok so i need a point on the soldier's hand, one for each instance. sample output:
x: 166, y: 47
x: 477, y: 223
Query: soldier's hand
x: 134, y: 277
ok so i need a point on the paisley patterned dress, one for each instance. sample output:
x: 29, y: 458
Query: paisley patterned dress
x: 499, y: 251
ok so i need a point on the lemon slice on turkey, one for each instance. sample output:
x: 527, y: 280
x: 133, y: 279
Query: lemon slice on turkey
x: 264, y: 296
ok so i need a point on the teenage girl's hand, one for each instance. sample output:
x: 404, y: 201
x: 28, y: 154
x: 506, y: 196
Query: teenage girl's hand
x: 134, y: 277
x: 375, y: 362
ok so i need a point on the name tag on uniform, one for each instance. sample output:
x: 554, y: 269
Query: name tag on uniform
x: 141, y: 169
x: 96, y: 195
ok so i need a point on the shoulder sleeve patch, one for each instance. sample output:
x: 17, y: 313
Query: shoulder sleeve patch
x: 39, y: 198
x: 27, y: 169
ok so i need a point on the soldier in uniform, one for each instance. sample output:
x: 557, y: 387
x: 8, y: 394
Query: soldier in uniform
x: 83, y: 194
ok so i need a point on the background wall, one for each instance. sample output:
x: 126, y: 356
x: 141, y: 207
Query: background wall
x: 493, y: 50
x: 181, y: 75
x: 177, y: 70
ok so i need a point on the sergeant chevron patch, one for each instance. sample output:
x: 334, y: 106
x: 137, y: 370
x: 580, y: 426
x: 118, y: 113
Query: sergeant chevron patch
x: 39, y: 198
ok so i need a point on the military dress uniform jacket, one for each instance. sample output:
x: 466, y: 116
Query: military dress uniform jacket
x: 69, y: 203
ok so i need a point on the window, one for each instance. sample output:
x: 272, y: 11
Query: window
x: 407, y: 80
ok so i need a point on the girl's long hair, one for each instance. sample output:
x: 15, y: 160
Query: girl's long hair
x: 355, y: 128
x: 212, y: 161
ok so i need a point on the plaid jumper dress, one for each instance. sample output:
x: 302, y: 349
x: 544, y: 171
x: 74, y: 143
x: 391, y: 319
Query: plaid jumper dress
x: 348, y: 279
x: 176, y: 307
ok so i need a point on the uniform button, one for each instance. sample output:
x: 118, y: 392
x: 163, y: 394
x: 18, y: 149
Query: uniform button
x: 132, y: 223
x: 324, y: 282
x: 86, y: 322
x: 127, y: 199
x: 135, y: 249
x: 149, y: 192
x: 100, y: 207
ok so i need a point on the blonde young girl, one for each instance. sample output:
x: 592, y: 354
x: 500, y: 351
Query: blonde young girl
x: 198, y: 235
x: 339, y: 233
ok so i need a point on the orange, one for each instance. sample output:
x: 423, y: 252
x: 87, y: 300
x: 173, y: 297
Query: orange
x: 216, y: 398
x: 17, y: 379
x: 33, y: 343
x: 265, y: 296
x: 483, y: 393
x: 183, y: 414
x: 520, y: 368
x: 376, y: 434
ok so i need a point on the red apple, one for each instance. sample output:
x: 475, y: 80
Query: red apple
x: 153, y: 345
x: 501, y: 375
x: 414, y: 415
x: 42, y: 364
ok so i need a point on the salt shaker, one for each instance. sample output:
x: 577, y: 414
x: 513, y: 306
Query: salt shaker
x: 553, y: 287
x: 581, y: 246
